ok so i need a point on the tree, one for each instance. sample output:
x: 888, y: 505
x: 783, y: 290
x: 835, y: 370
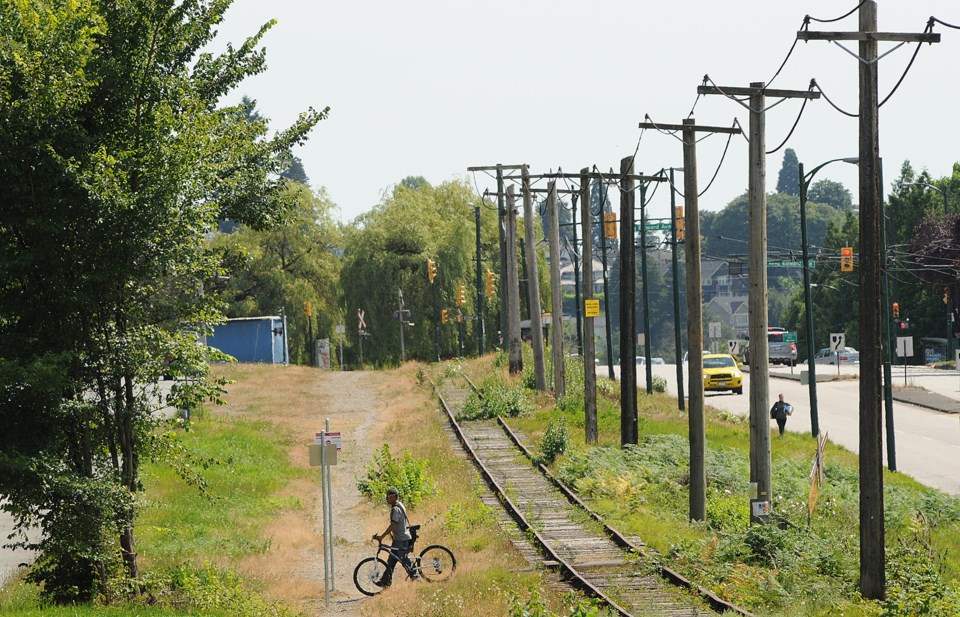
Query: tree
x: 388, y: 250
x: 831, y: 193
x: 117, y: 162
x: 788, y: 181
x: 286, y: 266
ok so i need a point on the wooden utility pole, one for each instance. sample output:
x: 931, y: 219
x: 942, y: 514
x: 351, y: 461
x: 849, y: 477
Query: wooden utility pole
x: 696, y: 422
x: 556, y: 293
x: 513, y: 286
x: 757, y: 302
x: 501, y: 231
x: 628, y: 314
x: 872, y: 550
x: 589, y: 342
x: 533, y: 286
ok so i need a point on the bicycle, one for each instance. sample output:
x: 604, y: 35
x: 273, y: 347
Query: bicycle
x: 434, y: 563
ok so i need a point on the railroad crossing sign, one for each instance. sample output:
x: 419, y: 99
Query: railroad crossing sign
x: 361, y: 324
x: 838, y: 341
x: 733, y: 347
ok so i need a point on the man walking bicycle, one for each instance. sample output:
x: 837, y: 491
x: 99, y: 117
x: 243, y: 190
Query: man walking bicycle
x: 401, y: 544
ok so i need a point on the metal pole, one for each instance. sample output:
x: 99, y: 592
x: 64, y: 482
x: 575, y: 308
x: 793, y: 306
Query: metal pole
x: 647, y: 332
x: 326, y: 532
x: 403, y: 353
x: 333, y: 579
x: 676, y: 294
x: 480, y: 324
x: 808, y: 305
x: 576, y: 278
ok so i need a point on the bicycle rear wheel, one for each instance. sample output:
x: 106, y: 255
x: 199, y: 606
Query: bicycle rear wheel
x: 437, y: 563
x: 366, y: 573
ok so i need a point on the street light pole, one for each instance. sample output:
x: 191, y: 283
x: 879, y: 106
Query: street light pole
x: 808, y: 303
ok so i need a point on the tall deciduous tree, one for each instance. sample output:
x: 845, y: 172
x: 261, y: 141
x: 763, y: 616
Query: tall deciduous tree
x: 116, y: 162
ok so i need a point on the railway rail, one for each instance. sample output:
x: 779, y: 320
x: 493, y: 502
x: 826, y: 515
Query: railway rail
x: 591, y: 555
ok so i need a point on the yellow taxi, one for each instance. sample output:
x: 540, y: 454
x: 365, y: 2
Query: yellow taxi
x: 721, y: 372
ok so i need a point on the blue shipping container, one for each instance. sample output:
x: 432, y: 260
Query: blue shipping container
x: 253, y: 339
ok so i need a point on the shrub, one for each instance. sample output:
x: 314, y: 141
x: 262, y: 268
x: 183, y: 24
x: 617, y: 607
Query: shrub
x: 659, y: 384
x: 405, y: 473
x: 553, y: 443
x: 493, y: 399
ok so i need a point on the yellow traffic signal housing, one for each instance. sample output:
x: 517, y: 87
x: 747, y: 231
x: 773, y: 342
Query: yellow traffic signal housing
x: 443, y: 316
x: 431, y: 270
x: 489, y: 283
x: 307, y: 308
x: 610, y: 225
x: 896, y: 310
x: 946, y: 295
x: 846, y: 259
x: 461, y: 295
x: 678, y: 215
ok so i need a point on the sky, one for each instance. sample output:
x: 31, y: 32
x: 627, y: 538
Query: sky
x: 429, y: 88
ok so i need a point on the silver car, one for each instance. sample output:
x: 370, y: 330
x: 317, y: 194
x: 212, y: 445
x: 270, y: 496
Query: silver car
x: 848, y: 355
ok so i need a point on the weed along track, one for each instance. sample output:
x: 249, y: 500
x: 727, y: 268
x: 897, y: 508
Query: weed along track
x: 590, y: 555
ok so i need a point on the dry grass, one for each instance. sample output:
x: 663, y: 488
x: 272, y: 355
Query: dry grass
x: 370, y: 409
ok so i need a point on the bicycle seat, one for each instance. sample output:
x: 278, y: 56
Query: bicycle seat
x: 414, y: 527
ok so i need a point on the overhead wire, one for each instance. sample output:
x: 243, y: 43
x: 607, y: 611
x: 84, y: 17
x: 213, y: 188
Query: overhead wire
x: 916, y: 52
x: 795, y: 123
x: 807, y: 19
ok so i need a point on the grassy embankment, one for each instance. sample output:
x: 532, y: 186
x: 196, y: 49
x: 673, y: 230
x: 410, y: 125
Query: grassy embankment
x: 214, y: 553
x: 794, y: 571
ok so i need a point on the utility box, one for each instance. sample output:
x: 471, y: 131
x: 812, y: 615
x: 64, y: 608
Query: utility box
x: 253, y: 339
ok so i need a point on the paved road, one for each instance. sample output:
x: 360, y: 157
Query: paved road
x: 927, y: 442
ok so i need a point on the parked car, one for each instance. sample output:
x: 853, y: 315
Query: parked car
x: 657, y: 361
x: 828, y: 356
x: 686, y: 353
x: 721, y: 372
x: 642, y: 360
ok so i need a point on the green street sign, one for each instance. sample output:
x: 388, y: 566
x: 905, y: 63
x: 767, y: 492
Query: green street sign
x: 655, y: 227
x: 788, y: 263
x: 790, y: 337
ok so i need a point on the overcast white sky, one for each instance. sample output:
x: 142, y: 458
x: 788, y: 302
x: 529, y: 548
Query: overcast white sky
x: 432, y: 87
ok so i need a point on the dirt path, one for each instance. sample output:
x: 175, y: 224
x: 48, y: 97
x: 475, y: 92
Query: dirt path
x: 359, y: 405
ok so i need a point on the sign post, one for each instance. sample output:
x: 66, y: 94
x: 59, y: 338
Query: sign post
x: 323, y: 454
x: 838, y: 342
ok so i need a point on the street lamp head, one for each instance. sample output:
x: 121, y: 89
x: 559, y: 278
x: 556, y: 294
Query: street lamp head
x: 853, y: 160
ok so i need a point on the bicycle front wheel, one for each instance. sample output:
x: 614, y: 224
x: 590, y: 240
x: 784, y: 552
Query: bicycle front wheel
x: 437, y: 563
x: 367, y: 573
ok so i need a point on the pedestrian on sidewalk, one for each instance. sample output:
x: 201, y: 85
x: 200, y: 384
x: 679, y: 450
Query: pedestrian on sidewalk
x: 779, y: 412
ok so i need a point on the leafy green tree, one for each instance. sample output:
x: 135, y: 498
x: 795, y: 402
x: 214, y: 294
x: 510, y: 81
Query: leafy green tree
x: 287, y: 266
x: 788, y: 181
x: 388, y: 250
x: 117, y: 162
x: 831, y: 193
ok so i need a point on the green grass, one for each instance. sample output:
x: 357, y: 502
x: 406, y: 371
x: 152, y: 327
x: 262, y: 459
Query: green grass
x: 180, y: 530
x: 643, y: 491
x: 179, y: 523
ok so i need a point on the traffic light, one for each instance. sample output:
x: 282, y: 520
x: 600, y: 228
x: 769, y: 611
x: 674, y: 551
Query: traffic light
x: 896, y: 310
x: 678, y: 214
x: 461, y: 295
x: 489, y: 283
x: 846, y: 259
x: 610, y: 225
x: 431, y: 270
x: 459, y: 317
x: 307, y: 308
x: 443, y: 316
x: 946, y: 295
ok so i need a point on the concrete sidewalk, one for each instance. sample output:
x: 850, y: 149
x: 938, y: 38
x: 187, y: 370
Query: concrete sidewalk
x: 10, y: 560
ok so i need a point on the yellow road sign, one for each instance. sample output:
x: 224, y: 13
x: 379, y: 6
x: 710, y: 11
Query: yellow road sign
x: 591, y: 308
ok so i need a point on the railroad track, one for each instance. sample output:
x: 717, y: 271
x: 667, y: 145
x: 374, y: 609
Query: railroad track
x: 591, y: 555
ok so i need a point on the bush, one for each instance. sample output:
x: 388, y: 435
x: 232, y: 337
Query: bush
x: 494, y: 398
x: 659, y: 384
x: 405, y: 473
x: 553, y: 443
